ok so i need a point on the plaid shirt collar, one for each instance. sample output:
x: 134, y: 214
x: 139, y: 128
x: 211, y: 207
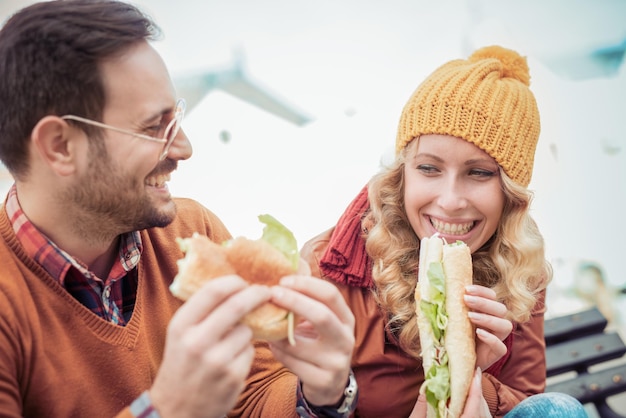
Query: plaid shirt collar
x: 56, y: 261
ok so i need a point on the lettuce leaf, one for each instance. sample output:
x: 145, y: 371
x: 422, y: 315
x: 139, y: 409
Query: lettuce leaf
x: 437, y: 379
x: 436, y: 277
x: 437, y: 384
x: 433, y: 305
x: 281, y: 238
x: 430, y: 311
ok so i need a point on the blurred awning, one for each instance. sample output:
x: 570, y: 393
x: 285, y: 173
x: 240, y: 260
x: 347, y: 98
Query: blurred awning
x: 575, y: 39
x: 236, y: 81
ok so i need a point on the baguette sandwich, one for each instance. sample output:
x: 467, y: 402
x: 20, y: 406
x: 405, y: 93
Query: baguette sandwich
x: 445, y: 331
x: 264, y: 261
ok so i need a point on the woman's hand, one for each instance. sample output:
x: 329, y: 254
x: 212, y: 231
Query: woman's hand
x: 475, y: 404
x: 324, y: 339
x: 492, y: 327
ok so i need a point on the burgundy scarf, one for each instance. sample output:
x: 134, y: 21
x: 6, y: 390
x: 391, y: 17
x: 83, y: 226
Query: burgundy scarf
x: 346, y: 261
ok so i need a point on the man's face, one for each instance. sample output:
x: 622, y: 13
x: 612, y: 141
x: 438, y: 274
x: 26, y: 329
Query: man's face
x: 123, y: 185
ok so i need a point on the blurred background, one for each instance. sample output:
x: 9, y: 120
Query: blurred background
x: 294, y: 105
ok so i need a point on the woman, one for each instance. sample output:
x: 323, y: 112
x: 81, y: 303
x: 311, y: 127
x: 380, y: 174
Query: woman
x: 464, y: 157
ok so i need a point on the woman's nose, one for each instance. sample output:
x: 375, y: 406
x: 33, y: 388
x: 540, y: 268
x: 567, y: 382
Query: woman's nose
x: 451, y: 197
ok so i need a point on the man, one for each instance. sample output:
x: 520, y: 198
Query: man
x: 90, y: 131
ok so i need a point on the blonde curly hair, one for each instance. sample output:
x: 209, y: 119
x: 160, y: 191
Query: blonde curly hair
x: 512, y: 262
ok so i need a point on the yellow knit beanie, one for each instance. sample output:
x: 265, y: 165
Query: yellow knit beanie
x: 484, y: 100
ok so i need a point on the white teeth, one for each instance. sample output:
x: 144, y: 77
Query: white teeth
x: 451, y: 229
x: 158, y: 181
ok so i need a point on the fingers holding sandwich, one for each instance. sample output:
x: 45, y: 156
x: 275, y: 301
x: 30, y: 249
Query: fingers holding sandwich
x: 206, y: 344
x: 489, y: 348
x: 214, y: 312
x: 483, y: 299
x: 324, y: 337
x: 500, y: 327
x: 262, y: 262
x: 475, y: 406
x: 321, y: 307
x: 230, y: 295
x: 492, y: 326
x: 226, y: 288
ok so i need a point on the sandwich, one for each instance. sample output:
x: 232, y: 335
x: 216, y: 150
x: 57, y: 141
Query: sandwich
x: 445, y: 331
x: 263, y: 261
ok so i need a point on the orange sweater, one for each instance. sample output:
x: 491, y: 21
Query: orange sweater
x: 57, y: 358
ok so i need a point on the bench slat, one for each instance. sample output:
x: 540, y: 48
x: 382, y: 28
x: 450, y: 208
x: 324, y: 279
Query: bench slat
x: 574, y: 343
x: 580, y: 324
x: 590, y: 387
x: 580, y: 353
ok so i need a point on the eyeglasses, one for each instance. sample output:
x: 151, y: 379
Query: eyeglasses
x: 169, y: 134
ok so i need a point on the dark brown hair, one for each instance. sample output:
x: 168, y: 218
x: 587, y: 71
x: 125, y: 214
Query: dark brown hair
x: 49, y: 65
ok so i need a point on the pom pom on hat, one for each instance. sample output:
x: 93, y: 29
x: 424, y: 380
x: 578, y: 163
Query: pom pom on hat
x: 513, y: 65
x: 484, y: 100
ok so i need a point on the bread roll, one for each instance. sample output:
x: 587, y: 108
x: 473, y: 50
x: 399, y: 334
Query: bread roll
x: 256, y: 261
x: 445, y: 330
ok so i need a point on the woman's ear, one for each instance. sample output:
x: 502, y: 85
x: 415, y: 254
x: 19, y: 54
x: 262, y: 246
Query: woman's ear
x: 56, y: 143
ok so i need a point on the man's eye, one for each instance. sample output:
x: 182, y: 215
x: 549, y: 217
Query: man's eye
x: 155, y: 130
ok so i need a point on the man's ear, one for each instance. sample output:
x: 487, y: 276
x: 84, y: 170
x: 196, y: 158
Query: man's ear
x: 56, y: 143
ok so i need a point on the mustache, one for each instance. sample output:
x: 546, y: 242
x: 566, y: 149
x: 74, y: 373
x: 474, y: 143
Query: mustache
x: 164, y: 167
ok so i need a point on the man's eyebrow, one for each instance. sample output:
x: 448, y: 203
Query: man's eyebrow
x: 159, y: 114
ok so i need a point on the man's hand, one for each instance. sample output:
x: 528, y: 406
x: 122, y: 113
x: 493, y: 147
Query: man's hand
x: 324, y: 338
x: 208, y: 354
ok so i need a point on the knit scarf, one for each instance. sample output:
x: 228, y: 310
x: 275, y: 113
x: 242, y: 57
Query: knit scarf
x: 346, y: 261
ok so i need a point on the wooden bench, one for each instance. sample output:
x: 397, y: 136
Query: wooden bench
x: 577, y: 349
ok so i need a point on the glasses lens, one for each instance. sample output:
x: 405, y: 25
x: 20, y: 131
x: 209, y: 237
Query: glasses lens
x: 174, y: 126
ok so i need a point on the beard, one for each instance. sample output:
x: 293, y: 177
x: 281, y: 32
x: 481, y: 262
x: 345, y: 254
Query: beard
x: 107, y: 201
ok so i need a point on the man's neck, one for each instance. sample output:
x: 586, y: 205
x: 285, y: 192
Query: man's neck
x: 96, y: 249
x: 101, y: 265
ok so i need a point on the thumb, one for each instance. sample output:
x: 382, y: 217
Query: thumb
x: 419, y: 410
x: 478, y: 376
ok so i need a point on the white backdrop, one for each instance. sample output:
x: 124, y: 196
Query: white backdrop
x: 351, y: 65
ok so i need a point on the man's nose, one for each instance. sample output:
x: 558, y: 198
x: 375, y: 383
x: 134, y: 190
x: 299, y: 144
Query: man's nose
x: 181, y: 148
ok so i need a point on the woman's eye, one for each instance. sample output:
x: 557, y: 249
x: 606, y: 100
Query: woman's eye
x: 427, y: 169
x: 482, y: 173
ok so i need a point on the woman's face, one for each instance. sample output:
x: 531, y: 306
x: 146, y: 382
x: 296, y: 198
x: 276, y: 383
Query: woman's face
x: 453, y: 188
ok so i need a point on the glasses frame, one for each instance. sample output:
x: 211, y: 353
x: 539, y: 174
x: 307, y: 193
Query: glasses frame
x: 171, y: 130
